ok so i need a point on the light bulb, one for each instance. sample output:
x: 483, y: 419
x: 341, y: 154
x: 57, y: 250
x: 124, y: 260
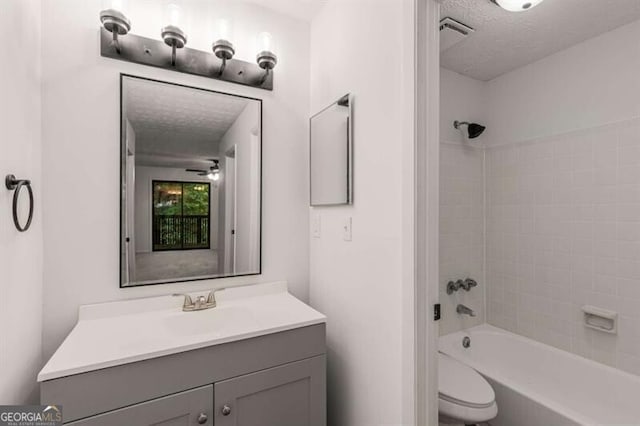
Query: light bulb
x: 224, y: 30
x: 173, y: 33
x: 173, y: 14
x: 117, y: 5
x: 265, y: 42
x: 266, y: 57
x: 517, y: 5
x: 222, y: 46
x: 114, y: 19
x: 216, y: 177
x: 211, y: 176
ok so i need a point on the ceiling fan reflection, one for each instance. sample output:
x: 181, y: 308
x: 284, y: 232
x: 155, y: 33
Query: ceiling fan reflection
x: 213, y: 173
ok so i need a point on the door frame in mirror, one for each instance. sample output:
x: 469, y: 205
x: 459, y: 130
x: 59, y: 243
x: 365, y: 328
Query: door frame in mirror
x: 122, y: 187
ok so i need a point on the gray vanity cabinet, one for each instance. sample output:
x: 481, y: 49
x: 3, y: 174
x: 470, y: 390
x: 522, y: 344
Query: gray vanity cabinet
x: 290, y: 395
x: 192, y: 407
x: 277, y: 379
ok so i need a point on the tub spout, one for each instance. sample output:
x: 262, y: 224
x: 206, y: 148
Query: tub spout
x: 463, y: 310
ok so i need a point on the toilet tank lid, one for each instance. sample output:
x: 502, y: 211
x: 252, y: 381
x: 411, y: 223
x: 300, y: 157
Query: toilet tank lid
x: 461, y: 383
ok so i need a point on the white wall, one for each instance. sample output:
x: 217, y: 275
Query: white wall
x: 242, y: 135
x: 563, y: 210
x: 144, y: 203
x: 463, y: 99
x: 359, y: 284
x: 20, y: 254
x: 81, y: 147
x: 592, y: 83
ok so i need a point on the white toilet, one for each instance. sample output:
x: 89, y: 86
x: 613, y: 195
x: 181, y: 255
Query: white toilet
x: 464, y: 396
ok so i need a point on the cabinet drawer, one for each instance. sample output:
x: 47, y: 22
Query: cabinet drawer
x: 290, y: 395
x: 193, y: 407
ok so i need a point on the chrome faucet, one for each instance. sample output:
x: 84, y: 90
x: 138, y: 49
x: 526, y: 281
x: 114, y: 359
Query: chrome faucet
x: 463, y: 310
x: 466, y: 285
x: 201, y: 303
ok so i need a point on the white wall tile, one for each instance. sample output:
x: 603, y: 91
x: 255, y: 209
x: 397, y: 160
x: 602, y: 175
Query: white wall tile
x: 580, y: 246
x: 561, y: 197
x: 461, y: 233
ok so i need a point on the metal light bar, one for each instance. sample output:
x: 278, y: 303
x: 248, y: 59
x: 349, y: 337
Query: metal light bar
x: 154, y: 53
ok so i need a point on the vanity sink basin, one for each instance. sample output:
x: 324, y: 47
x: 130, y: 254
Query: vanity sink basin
x: 214, y: 321
x: 117, y: 333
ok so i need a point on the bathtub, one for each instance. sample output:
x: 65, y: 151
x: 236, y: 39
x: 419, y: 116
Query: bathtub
x: 539, y: 385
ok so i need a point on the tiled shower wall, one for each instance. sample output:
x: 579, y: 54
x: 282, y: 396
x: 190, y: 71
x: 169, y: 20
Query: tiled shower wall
x: 461, y: 232
x: 563, y: 231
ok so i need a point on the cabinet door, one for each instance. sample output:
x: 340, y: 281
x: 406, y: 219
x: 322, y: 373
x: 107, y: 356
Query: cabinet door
x: 194, y: 407
x: 290, y: 395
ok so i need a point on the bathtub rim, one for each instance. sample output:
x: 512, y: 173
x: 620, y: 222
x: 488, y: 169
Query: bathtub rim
x: 443, y: 346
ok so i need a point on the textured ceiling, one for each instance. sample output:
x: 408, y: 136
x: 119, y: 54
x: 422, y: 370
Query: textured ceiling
x: 299, y: 9
x: 178, y: 126
x: 504, y: 41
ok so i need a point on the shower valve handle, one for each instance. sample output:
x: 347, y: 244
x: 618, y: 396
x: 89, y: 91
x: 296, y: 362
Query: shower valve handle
x: 466, y: 285
x: 452, y: 287
x: 469, y: 283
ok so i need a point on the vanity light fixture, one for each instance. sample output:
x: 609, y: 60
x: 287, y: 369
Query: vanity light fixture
x: 115, y: 21
x: 517, y: 5
x: 266, y: 59
x: 152, y: 52
x: 222, y: 47
x: 172, y: 33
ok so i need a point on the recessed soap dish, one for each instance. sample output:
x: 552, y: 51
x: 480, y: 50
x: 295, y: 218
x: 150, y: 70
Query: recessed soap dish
x: 600, y: 319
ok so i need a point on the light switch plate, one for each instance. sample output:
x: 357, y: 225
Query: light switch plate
x: 346, y: 232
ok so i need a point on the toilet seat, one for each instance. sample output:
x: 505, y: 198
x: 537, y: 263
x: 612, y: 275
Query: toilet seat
x: 464, y: 403
x: 463, y: 394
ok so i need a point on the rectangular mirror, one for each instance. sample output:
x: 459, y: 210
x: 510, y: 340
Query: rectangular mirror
x: 331, y: 153
x: 191, y: 183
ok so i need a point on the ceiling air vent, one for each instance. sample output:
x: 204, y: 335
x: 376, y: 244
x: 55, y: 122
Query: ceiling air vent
x: 452, y: 32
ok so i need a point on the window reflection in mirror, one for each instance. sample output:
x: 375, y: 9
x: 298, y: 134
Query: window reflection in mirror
x: 180, y: 216
x: 191, y: 183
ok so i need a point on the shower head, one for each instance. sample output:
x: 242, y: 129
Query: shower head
x: 473, y: 129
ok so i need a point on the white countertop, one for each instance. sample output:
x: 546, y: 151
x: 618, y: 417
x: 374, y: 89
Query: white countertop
x: 117, y: 333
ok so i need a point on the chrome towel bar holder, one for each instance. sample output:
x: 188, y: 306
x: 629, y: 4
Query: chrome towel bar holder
x: 16, y: 185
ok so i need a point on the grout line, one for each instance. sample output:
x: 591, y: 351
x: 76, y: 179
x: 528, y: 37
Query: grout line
x: 484, y: 233
x: 463, y: 145
x: 539, y: 139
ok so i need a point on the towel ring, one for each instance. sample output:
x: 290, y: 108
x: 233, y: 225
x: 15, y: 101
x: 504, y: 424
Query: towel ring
x: 16, y: 185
